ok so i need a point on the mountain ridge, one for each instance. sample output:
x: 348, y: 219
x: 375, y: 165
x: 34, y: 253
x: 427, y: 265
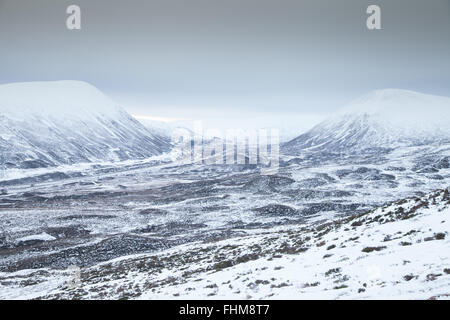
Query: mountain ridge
x: 383, y: 119
x: 65, y: 122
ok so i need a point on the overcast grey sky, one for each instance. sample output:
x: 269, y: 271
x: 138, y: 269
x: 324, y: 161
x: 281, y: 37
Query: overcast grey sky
x: 188, y: 58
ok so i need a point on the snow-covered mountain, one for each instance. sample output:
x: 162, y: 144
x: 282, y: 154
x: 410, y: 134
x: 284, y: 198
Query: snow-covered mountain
x: 381, y: 119
x: 64, y: 122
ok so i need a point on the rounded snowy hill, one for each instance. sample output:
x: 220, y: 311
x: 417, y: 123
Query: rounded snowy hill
x: 65, y: 122
x: 382, y: 119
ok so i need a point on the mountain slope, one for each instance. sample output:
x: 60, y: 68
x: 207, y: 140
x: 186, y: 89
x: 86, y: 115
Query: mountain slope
x: 381, y: 119
x: 398, y: 251
x: 65, y: 122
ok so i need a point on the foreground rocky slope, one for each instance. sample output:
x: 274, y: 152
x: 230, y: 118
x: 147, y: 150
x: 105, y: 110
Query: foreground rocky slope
x: 396, y: 251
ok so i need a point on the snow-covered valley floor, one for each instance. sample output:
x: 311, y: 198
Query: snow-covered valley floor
x: 156, y: 228
x: 398, y: 251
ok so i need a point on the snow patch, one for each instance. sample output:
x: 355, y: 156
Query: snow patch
x: 37, y: 237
